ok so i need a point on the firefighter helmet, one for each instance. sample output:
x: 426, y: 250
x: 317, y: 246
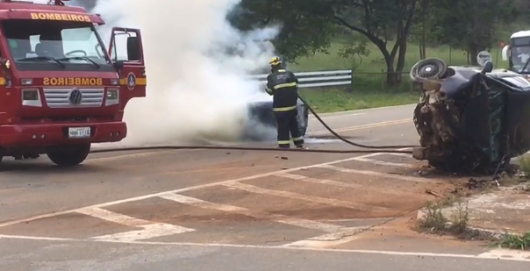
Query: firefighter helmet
x: 275, y: 61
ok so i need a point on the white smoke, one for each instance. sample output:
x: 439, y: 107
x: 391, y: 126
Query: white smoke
x: 195, y: 89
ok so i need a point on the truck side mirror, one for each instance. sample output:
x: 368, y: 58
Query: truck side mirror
x: 133, y: 49
x: 5, y: 63
x: 118, y: 65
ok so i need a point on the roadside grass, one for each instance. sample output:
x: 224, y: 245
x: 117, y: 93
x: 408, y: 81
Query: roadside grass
x: 524, y: 165
x: 339, y: 99
x: 368, y: 89
x: 374, y: 62
x: 436, y: 221
x: 435, y: 216
x: 512, y: 241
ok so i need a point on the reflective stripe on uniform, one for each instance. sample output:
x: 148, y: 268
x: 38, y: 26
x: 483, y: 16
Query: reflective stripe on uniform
x: 282, y: 109
x: 268, y: 90
x: 298, y: 139
x: 284, y: 142
x: 286, y: 85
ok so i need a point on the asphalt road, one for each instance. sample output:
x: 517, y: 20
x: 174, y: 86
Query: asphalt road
x: 236, y: 210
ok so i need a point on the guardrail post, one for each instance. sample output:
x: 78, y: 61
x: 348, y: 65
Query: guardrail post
x: 349, y: 89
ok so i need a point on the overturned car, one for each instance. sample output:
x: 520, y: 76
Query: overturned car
x: 470, y: 118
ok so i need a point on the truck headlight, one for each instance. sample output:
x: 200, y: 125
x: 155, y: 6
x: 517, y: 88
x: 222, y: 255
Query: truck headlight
x: 113, y: 96
x: 31, y: 97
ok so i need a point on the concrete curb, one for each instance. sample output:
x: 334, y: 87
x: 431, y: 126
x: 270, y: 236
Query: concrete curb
x: 473, y: 233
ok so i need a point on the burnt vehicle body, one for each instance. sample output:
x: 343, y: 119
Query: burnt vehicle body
x: 471, y: 118
x: 261, y: 114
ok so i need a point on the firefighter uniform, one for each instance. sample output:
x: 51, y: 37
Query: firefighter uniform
x: 283, y: 86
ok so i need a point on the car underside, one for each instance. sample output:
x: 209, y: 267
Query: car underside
x: 469, y: 118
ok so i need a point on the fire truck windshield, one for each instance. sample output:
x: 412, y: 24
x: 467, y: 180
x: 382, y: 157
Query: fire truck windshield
x: 55, y: 45
x: 519, y: 56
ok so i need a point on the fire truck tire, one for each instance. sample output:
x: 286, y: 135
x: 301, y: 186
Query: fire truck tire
x: 69, y: 156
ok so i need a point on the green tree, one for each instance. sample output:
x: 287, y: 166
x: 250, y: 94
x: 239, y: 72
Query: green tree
x: 421, y: 29
x: 310, y: 25
x: 471, y: 25
x: 301, y: 34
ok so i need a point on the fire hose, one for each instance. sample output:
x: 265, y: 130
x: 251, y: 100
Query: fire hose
x: 369, y: 149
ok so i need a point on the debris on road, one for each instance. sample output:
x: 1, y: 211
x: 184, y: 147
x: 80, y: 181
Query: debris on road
x: 430, y: 192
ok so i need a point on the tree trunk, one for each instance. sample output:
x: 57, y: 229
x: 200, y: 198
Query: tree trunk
x: 392, y: 79
x: 423, y: 45
x: 402, y: 52
x: 473, y: 52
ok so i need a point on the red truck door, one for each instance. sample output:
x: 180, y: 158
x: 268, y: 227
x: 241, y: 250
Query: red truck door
x: 127, y: 53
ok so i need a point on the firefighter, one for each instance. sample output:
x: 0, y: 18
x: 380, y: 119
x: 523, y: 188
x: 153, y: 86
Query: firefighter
x: 283, y: 86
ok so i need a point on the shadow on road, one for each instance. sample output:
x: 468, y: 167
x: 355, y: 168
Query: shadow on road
x: 40, y: 166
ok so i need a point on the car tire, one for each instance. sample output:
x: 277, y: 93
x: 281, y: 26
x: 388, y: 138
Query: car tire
x: 69, y: 156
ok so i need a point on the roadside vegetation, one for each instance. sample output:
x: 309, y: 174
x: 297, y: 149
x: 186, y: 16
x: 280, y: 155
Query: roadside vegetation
x: 522, y: 241
x: 447, y: 216
x: 381, y: 48
x: 450, y: 216
x: 512, y: 241
x: 340, y: 99
x: 368, y: 89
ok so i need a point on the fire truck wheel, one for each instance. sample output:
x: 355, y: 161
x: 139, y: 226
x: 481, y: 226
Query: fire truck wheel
x: 69, y: 156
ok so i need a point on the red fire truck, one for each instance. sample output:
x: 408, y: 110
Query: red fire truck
x: 60, y: 89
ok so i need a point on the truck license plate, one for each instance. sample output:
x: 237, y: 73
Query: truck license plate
x: 79, y: 132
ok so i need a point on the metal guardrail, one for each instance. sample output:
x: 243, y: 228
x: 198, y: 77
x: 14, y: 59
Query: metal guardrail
x: 316, y: 79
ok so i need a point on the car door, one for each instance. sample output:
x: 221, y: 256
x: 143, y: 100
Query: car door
x: 126, y: 51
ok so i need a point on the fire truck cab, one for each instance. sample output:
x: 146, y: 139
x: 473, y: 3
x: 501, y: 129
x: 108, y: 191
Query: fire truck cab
x: 60, y: 88
x: 517, y: 52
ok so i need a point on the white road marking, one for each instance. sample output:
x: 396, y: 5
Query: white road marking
x: 149, y: 229
x: 311, y: 116
x: 506, y: 254
x: 190, y: 188
x: 383, y: 163
x: 313, y: 199
x: 366, y: 159
x: 342, y: 184
x: 361, y: 127
x: 523, y: 256
x: 380, y: 174
x: 329, y: 239
x: 365, y: 111
x: 304, y: 223
x: 406, y: 155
